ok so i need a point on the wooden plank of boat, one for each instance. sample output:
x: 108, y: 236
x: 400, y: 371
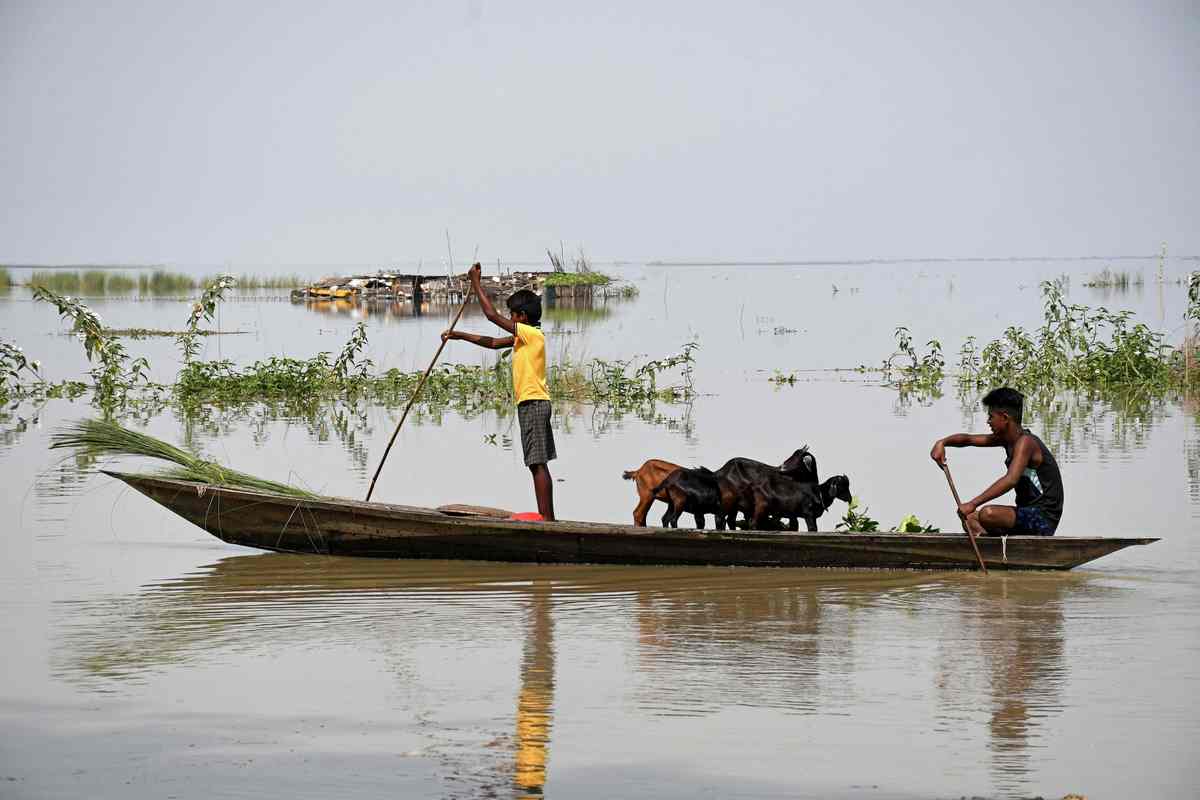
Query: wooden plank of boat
x: 338, y: 526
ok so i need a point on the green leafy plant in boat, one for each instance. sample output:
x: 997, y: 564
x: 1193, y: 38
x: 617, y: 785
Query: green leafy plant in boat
x: 857, y: 520
x: 96, y: 437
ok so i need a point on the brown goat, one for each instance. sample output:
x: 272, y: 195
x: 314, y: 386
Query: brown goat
x: 648, y: 477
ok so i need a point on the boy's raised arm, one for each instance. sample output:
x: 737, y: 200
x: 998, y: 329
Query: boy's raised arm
x: 490, y: 342
x: 938, y: 453
x: 485, y: 302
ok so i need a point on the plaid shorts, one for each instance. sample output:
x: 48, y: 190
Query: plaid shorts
x: 537, y: 440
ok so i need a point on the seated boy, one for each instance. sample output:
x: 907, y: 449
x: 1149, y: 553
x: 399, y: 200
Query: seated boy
x: 529, y: 380
x: 1032, y: 471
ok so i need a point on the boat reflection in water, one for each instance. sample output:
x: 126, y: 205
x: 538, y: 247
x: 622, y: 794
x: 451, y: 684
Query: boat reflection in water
x: 896, y: 652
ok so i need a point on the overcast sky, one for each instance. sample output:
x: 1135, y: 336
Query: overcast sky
x: 315, y: 133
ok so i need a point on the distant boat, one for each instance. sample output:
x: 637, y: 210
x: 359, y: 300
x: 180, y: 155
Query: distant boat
x: 343, y: 527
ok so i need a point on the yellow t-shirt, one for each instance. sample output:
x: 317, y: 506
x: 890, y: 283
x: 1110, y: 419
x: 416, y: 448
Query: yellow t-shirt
x: 529, y: 364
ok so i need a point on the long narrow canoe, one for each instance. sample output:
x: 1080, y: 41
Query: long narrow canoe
x: 337, y: 526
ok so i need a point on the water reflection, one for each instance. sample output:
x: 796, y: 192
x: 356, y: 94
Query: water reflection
x: 245, y: 605
x: 561, y: 315
x: 703, y: 640
x: 535, y: 700
x: 1111, y: 421
x: 1020, y: 640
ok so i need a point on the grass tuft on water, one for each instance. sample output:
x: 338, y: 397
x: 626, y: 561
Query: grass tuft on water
x: 101, y: 437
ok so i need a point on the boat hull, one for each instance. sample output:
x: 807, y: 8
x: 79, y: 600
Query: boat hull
x: 343, y: 527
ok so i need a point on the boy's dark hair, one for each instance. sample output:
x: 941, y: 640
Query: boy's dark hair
x: 527, y: 303
x: 1010, y: 401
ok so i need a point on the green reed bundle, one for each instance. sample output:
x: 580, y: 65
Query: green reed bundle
x: 98, y: 437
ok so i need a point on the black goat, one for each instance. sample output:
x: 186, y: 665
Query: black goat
x: 742, y: 473
x: 697, y: 491
x: 778, y: 496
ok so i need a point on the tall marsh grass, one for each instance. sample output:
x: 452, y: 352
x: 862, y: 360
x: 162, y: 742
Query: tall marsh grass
x: 264, y: 281
x: 57, y: 281
x: 1114, y: 279
x: 160, y: 282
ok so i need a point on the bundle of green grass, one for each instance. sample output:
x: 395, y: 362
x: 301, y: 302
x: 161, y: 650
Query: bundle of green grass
x: 99, y: 437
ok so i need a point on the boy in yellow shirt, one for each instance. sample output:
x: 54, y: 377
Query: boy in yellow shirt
x: 529, y: 380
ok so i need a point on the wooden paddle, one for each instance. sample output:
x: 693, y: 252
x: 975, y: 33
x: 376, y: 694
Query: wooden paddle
x: 966, y: 527
x: 417, y: 392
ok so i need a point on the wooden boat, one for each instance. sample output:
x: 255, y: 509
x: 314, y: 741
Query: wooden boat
x: 337, y: 526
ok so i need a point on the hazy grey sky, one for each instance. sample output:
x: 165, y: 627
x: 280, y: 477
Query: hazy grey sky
x: 304, y: 133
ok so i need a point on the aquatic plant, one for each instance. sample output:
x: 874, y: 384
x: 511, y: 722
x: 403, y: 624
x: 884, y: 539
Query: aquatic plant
x: 203, y: 309
x: 576, y: 279
x: 119, y: 283
x: 1112, y: 279
x: 254, y: 281
x: 908, y: 368
x: 148, y: 333
x: 621, y: 383
x: 96, y: 437
x: 583, y: 274
x: 162, y: 282
x: 6, y: 280
x: 468, y: 388
x: 347, y: 366
x: 55, y: 280
x: 17, y: 371
x: 112, y: 378
x: 99, y: 282
x: 1076, y: 346
x: 93, y: 281
x: 1192, y: 314
x: 916, y: 376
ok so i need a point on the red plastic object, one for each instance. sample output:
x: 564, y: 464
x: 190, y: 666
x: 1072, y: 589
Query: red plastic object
x: 527, y: 516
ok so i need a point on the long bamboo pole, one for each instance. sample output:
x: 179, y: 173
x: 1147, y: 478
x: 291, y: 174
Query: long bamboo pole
x: 416, y: 393
x: 966, y: 527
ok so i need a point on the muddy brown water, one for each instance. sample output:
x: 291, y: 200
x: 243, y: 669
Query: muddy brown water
x: 143, y: 658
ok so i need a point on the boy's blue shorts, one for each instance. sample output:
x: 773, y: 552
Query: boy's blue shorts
x: 1031, y: 522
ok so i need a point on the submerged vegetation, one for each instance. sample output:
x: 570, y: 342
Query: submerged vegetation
x: 119, y: 383
x: 1078, y: 347
x: 577, y: 279
x: 582, y: 274
x: 622, y: 385
x: 114, y: 377
x: 158, y: 283
x: 1114, y: 279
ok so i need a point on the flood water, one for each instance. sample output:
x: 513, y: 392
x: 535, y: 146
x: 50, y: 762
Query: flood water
x: 144, y: 658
